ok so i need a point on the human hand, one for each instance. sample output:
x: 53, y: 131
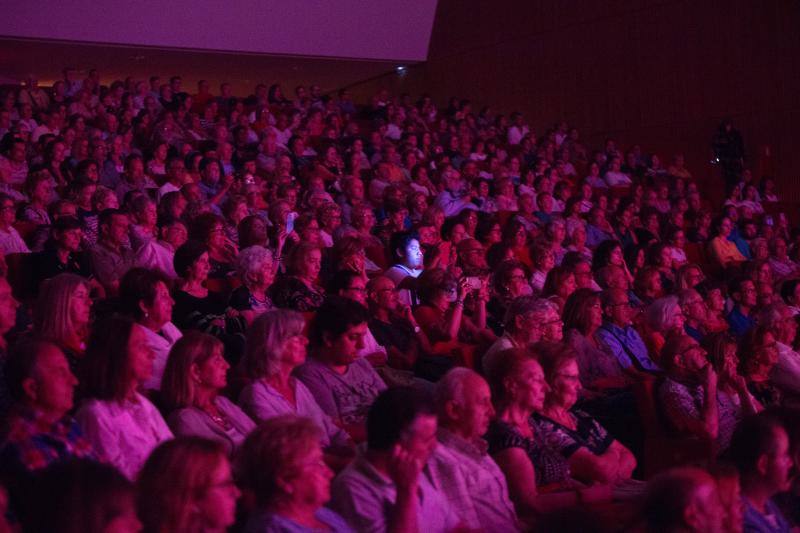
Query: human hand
x: 404, y: 468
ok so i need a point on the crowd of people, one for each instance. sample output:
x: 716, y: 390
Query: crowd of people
x: 298, y: 313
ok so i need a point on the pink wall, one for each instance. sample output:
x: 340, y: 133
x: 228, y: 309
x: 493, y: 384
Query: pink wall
x: 366, y: 29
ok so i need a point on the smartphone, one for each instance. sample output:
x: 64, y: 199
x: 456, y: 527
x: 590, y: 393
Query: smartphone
x: 474, y: 283
x: 290, y: 218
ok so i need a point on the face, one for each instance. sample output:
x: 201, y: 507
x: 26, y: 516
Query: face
x: 384, y: 294
x: 52, y: 383
x: 476, y: 410
x: 311, y: 264
x: 160, y: 312
x: 293, y: 352
x: 695, y: 308
x: 200, y: 268
x: 779, y: 463
x: 528, y: 387
x: 694, y: 358
x: 80, y: 306
x: 583, y: 275
x: 213, y: 372
x: 140, y: 355
x: 567, y: 287
x: 725, y: 227
x: 117, y: 229
x: 552, y: 326
x: 748, y: 295
x: 344, y: 348
x: 565, y: 385
x: 310, y: 478
x: 413, y: 254
x: 619, y: 309
x: 218, y: 504
x: 419, y: 440
x: 356, y: 290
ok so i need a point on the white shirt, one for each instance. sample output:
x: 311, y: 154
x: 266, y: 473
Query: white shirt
x: 11, y: 242
x: 161, y: 343
x: 164, y: 189
x: 617, y: 179
x: 786, y: 372
x: 123, y: 433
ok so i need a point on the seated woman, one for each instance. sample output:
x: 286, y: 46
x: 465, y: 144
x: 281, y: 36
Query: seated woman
x: 276, y: 346
x: 594, y: 455
x: 209, y: 229
x: 143, y: 228
x: 662, y: 318
x: 518, y: 390
x: 559, y: 285
x: 122, y: 425
x: 256, y: 270
x: 731, y: 386
x: 202, y: 495
x: 543, y: 262
x: 62, y: 315
x: 195, y: 375
x: 659, y: 256
x: 713, y: 293
x: 298, y: 289
x: 723, y: 251
x: 442, y: 317
x: 200, y: 309
x: 758, y: 354
x: 144, y: 297
x: 281, y: 464
x: 509, y: 281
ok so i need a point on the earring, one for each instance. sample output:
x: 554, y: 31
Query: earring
x: 146, y: 314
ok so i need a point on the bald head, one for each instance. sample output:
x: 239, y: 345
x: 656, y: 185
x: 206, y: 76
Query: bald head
x: 464, y: 403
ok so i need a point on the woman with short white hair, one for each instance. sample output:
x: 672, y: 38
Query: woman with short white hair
x: 256, y: 269
x: 663, y: 317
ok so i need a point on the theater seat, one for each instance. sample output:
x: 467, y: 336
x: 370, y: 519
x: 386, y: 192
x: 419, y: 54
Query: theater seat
x: 663, y: 447
x: 20, y: 276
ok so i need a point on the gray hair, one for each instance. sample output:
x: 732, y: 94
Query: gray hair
x: 451, y: 386
x: 523, y: 305
x: 265, y: 340
x: 659, y: 312
x: 250, y: 260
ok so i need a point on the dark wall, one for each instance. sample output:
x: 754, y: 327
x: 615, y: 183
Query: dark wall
x: 658, y: 73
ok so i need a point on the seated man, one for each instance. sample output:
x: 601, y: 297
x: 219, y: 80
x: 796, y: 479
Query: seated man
x: 159, y: 254
x: 683, y: 499
x: 395, y: 328
x: 388, y: 488
x: 39, y: 431
x: 111, y: 257
x: 619, y: 338
x: 343, y: 384
x: 760, y: 450
x: 408, y: 257
x: 743, y: 293
x: 10, y: 240
x: 467, y: 475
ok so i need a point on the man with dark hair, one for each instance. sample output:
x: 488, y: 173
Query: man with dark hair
x: 743, y: 293
x: 619, y: 338
x: 683, y: 499
x: 352, y: 285
x: 407, y: 255
x: 343, y: 384
x: 760, y: 450
x: 111, y: 257
x: 388, y: 488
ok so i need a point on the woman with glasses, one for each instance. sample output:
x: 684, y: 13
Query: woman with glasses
x: 758, y: 355
x: 593, y: 454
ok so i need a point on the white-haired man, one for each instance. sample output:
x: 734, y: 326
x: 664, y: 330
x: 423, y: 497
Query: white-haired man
x: 465, y: 473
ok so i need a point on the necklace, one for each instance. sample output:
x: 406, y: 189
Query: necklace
x: 217, y: 417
